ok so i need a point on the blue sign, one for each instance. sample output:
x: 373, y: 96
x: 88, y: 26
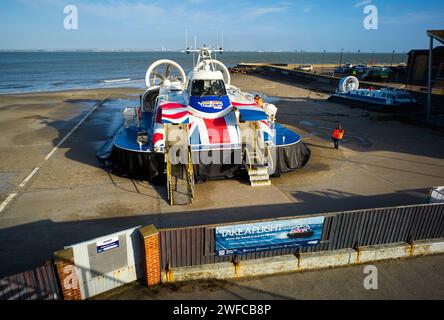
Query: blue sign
x: 210, y: 104
x: 264, y: 236
x: 107, y: 244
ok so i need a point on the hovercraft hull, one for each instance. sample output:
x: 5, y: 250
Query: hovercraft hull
x: 374, y: 105
x: 300, y: 235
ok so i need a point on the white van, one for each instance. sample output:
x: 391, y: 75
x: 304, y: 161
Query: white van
x: 436, y: 195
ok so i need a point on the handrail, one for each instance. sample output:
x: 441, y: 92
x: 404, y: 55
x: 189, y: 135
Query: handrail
x: 248, y: 159
x: 269, y: 156
x: 190, y: 173
x: 169, y: 177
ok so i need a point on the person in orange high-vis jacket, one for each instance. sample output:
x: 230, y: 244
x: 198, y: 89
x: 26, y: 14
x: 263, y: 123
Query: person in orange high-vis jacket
x: 259, y: 101
x: 338, y: 134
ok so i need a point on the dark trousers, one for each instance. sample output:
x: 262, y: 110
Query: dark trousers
x: 336, y: 143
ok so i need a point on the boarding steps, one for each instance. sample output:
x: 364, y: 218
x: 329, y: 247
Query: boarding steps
x: 257, y: 167
x: 180, y: 174
x: 259, y: 176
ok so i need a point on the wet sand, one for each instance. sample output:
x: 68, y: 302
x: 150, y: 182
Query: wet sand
x: 71, y: 199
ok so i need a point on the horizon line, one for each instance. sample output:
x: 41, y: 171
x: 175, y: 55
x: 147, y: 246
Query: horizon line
x: 183, y: 51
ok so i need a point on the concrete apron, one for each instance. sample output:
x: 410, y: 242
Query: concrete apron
x: 302, y: 262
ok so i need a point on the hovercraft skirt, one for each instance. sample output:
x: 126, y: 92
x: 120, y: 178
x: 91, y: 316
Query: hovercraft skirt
x: 151, y: 165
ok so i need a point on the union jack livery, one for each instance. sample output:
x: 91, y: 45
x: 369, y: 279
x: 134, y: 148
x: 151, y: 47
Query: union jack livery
x: 197, y: 127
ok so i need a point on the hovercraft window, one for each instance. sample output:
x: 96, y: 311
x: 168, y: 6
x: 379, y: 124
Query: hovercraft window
x: 201, y: 88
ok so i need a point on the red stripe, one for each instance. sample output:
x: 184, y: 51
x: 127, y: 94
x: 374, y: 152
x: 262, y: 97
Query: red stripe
x: 172, y: 105
x: 237, y: 104
x: 217, y: 130
x: 159, y: 115
x: 175, y: 115
x: 157, y: 137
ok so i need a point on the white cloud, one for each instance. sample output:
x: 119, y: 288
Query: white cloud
x: 308, y: 9
x: 122, y: 11
x: 362, y: 3
x: 258, y: 12
x: 409, y: 18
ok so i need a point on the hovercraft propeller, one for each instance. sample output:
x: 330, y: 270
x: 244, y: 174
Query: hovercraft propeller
x: 163, y: 70
x: 348, y: 84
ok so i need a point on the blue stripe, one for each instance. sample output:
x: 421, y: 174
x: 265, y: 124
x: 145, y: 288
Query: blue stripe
x: 251, y: 115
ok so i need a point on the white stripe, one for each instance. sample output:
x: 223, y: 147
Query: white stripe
x: 207, y: 115
x: 29, y: 177
x: 7, y: 200
x: 49, y: 155
x: 203, y: 131
x: 233, y: 131
x: 192, y: 129
x: 174, y: 111
x: 178, y: 120
x: 251, y: 108
x: 265, y: 128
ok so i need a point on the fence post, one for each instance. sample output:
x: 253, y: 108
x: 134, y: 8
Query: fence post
x: 151, y: 253
x: 66, y: 270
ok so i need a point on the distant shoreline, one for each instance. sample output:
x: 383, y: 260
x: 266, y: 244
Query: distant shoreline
x: 74, y: 91
x: 183, y: 51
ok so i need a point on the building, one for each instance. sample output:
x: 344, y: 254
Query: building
x: 417, y: 66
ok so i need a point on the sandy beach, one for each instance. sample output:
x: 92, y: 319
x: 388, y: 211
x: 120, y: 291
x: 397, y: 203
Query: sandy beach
x: 71, y: 199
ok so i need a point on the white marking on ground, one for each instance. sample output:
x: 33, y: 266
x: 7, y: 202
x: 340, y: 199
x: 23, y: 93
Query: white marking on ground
x: 29, y: 177
x: 7, y: 200
x: 307, y: 123
x: 49, y: 155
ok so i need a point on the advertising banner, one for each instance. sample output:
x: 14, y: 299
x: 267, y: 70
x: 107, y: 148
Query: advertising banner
x: 264, y: 236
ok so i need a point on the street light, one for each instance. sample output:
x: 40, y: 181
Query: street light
x: 340, y: 59
x: 323, y: 62
x: 393, y: 56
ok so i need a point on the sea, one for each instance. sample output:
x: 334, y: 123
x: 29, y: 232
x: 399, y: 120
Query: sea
x: 41, y: 71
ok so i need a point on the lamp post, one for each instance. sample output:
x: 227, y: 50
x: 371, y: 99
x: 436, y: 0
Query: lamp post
x: 323, y: 62
x: 393, y: 56
x: 429, y: 78
x: 340, y: 59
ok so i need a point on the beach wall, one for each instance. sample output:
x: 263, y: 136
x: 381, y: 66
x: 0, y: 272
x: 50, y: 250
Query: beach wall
x: 328, y: 84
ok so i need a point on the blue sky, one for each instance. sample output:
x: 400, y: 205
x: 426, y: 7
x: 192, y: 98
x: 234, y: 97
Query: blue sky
x: 314, y: 25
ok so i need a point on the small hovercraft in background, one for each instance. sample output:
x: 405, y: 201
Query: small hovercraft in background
x: 303, y: 231
x: 385, y: 99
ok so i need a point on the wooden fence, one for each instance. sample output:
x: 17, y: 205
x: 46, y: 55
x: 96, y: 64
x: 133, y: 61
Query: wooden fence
x: 38, y: 284
x: 190, y: 246
x: 196, y: 245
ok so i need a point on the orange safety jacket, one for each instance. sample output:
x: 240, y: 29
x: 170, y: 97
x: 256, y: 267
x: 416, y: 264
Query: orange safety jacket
x: 259, y: 102
x: 338, y: 133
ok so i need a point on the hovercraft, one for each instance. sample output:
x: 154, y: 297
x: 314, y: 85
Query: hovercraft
x: 188, y: 129
x: 385, y: 99
x: 303, y: 231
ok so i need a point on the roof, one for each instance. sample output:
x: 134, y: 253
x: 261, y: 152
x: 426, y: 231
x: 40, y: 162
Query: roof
x: 436, y: 50
x: 437, y: 34
x: 205, y: 75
